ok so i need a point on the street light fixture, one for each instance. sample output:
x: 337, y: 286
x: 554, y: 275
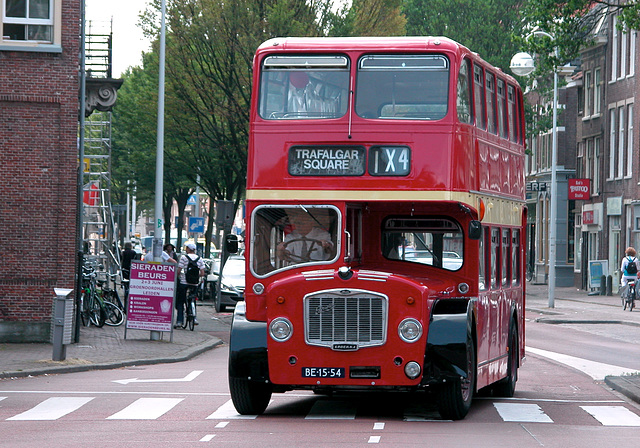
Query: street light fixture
x: 522, y: 65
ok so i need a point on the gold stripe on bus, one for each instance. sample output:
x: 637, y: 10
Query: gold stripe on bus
x: 497, y: 210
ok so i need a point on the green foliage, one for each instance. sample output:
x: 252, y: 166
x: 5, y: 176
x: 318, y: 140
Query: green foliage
x: 484, y: 26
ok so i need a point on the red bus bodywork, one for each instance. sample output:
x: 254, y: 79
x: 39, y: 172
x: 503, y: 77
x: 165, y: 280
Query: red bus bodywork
x: 462, y: 301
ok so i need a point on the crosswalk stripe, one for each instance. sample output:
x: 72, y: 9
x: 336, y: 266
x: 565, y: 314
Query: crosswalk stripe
x: 613, y: 415
x: 227, y: 411
x: 53, y: 408
x: 146, y: 409
x: 332, y: 410
x: 522, y: 412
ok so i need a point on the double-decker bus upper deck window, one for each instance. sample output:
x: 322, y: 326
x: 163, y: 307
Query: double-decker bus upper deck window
x: 409, y: 87
x: 478, y: 92
x: 503, y: 119
x: 491, y: 103
x: 427, y: 240
x: 513, y: 114
x: 463, y: 100
x: 286, y: 236
x: 298, y: 87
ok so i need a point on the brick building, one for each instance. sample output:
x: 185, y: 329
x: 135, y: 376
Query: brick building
x: 598, y: 139
x: 39, y: 50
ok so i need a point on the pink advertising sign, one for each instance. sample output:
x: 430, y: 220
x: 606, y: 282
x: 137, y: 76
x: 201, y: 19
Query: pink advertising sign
x: 151, y: 296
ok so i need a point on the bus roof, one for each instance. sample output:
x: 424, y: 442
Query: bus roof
x: 377, y: 43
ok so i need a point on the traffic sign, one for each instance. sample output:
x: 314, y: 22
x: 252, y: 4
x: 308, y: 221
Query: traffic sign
x: 196, y: 224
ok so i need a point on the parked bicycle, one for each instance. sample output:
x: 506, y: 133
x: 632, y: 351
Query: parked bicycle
x: 91, y: 309
x: 629, y: 297
x: 111, y: 303
x: 191, y: 311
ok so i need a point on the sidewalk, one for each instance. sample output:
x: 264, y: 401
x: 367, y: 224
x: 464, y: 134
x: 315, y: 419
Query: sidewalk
x: 574, y: 306
x: 106, y: 348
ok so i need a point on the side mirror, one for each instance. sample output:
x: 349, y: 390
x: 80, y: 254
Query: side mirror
x: 475, y: 230
x: 231, y: 244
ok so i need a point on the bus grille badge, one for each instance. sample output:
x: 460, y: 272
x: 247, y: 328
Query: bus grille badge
x: 345, y: 347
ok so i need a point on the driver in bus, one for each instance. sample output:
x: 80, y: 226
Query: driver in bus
x: 308, y: 241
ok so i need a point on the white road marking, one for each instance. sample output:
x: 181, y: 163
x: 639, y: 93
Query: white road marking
x: 222, y: 425
x: 207, y: 438
x: 146, y: 409
x: 596, y: 370
x: 613, y: 415
x: 227, y: 411
x: 53, y: 408
x: 332, y: 410
x: 378, y: 426
x: 374, y: 439
x: 522, y: 412
x: 193, y: 375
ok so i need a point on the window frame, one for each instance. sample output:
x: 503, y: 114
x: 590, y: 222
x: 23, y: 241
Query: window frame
x: 55, y: 21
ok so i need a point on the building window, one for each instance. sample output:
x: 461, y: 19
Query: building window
x: 612, y: 143
x: 629, y: 140
x: 595, y: 185
x: 621, y: 126
x: 597, y: 91
x: 30, y: 23
x: 614, y: 50
x: 588, y: 95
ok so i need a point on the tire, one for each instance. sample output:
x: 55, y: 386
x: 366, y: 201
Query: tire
x: 84, y: 312
x: 507, y: 386
x: 115, y: 316
x: 98, y: 314
x: 455, y: 397
x: 249, y: 398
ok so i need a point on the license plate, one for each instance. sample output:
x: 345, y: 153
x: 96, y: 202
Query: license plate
x: 323, y: 372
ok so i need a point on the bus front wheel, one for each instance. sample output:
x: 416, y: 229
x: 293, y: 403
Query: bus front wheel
x: 454, y: 398
x: 249, y: 397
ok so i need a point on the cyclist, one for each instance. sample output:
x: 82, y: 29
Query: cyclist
x: 183, y: 286
x: 630, y: 269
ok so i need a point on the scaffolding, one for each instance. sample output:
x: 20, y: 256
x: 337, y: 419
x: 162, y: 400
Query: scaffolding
x: 98, y: 225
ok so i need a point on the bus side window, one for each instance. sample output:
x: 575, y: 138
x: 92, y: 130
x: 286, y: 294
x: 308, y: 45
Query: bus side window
x: 503, y: 119
x: 506, y: 256
x: 482, y: 265
x: 495, y: 254
x: 491, y: 103
x: 463, y: 100
x: 515, y: 257
x: 478, y: 92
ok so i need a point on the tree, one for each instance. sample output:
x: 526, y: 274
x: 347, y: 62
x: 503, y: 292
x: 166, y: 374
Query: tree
x: 571, y: 24
x: 484, y: 26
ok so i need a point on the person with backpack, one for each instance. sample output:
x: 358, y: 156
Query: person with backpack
x: 190, y: 270
x: 629, y: 268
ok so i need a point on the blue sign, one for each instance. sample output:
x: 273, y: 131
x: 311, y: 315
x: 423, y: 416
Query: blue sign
x: 196, y: 224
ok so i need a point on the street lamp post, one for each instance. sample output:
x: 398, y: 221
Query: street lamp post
x: 522, y: 65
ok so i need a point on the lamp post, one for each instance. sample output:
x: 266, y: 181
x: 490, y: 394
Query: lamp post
x: 522, y: 65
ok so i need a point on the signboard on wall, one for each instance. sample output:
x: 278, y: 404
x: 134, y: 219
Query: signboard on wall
x: 579, y: 189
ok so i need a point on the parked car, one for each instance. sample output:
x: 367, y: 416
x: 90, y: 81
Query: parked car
x: 232, y: 283
x: 210, y: 285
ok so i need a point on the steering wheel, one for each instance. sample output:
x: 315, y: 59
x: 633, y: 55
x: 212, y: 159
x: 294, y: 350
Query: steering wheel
x: 311, y: 242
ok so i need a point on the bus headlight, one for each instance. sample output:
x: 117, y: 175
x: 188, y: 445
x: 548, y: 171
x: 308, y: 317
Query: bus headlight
x: 410, y: 330
x: 280, y: 329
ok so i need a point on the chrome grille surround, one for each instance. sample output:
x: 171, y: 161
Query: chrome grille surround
x: 345, y: 319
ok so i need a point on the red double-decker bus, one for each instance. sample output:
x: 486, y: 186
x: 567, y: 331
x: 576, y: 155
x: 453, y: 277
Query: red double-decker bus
x: 385, y: 223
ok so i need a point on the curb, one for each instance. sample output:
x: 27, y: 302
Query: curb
x: 629, y: 386
x: 186, y: 355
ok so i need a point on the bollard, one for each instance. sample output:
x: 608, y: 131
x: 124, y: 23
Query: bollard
x: 609, y: 285
x: 62, y: 323
x: 603, y: 285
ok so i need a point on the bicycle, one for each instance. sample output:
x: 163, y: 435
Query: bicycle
x: 92, y: 310
x: 629, y: 297
x: 191, y: 311
x: 529, y: 272
x: 112, y: 305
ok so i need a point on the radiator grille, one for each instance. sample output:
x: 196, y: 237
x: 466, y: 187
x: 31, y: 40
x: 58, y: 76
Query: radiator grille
x: 345, y: 319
